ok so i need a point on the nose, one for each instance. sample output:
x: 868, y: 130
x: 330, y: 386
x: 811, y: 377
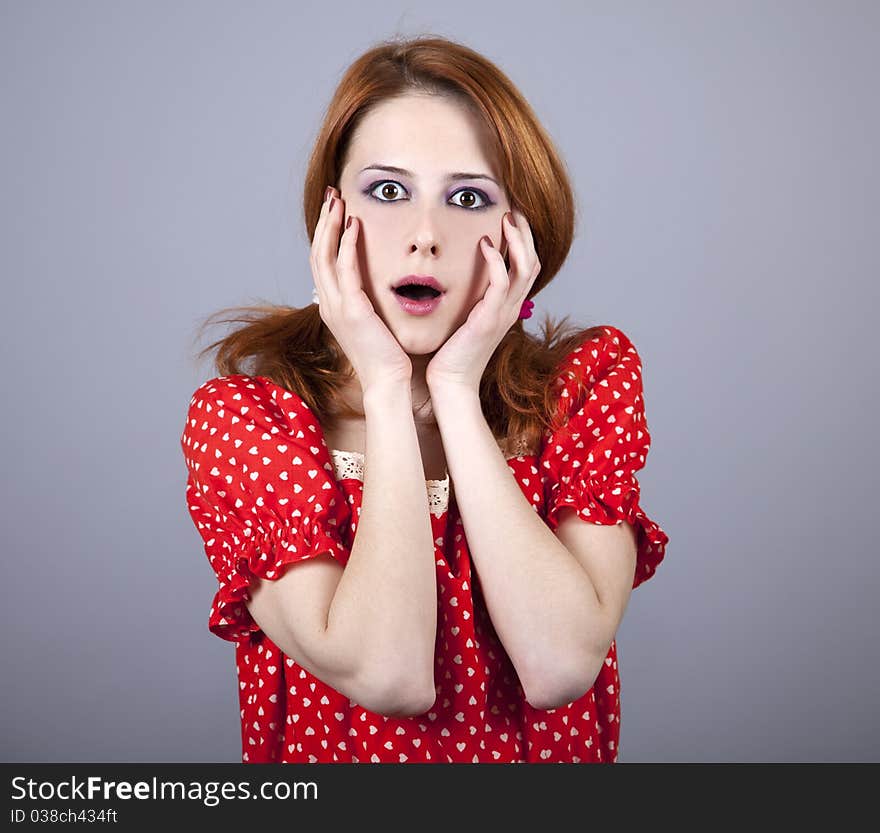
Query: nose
x: 426, y: 233
x: 425, y: 245
x: 426, y: 240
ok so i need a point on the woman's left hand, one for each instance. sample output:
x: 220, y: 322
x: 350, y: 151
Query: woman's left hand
x: 463, y: 358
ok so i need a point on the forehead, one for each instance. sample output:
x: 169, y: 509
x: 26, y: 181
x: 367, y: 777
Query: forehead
x: 429, y: 135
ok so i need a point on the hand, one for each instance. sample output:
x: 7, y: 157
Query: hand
x: 463, y: 358
x: 371, y: 348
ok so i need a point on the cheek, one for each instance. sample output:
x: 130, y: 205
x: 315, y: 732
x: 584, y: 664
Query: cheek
x: 379, y: 237
x: 373, y: 236
x: 478, y: 288
x: 374, y: 214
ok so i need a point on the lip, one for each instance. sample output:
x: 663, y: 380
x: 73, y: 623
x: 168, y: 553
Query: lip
x: 427, y: 280
x: 425, y: 307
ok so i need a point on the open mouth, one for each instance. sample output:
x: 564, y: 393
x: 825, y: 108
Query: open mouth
x: 417, y: 292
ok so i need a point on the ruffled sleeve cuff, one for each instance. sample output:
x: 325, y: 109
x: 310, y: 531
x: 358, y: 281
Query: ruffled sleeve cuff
x: 610, y: 501
x: 266, y: 556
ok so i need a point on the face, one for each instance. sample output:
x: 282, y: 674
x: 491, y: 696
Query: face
x: 423, y: 222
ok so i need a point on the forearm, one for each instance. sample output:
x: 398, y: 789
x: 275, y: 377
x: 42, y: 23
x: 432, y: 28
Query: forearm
x: 542, y: 603
x: 386, y: 600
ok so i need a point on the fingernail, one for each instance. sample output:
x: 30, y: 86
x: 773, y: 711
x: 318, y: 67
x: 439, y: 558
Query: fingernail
x: 488, y: 240
x: 328, y: 192
x: 510, y: 219
x: 330, y: 206
x: 348, y: 221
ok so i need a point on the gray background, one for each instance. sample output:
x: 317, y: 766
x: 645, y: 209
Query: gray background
x: 724, y: 159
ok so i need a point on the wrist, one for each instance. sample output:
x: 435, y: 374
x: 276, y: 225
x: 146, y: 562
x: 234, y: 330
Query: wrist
x: 453, y: 399
x: 383, y: 393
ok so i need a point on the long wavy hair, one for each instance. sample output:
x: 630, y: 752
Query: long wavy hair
x: 293, y: 347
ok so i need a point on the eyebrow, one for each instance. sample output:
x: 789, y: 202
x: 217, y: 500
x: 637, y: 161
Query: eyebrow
x: 450, y: 177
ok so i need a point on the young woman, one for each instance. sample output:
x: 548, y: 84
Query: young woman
x: 425, y: 521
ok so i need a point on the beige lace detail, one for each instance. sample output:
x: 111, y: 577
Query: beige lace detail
x: 350, y: 465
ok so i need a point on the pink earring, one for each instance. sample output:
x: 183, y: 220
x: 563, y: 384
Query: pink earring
x: 526, y: 309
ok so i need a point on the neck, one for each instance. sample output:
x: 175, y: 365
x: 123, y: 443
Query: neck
x: 423, y: 411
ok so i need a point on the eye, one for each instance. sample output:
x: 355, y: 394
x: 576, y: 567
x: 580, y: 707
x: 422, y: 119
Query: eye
x: 390, y: 187
x: 486, y: 202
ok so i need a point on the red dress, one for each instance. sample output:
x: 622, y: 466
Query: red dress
x: 265, y: 492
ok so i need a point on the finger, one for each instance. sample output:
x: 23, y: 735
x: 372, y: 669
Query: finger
x: 320, y: 228
x: 516, y: 249
x: 328, y: 246
x: 522, y: 225
x: 347, y: 265
x: 499, y: 282
x: 318, y: 268
x: 523, y: 258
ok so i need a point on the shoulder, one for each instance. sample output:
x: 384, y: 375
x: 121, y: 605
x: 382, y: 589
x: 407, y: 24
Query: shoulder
x: 254, y: 398
x: 253, y: 410
x: 238, y: 387
x: 609, y: 346
x: 600, y: 355
x: 233, y: 416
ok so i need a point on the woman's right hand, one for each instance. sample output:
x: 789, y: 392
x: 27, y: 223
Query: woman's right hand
x: 371, y: 348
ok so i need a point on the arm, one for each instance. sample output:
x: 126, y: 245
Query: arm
x: 545, y: 606
x: 369, y: 630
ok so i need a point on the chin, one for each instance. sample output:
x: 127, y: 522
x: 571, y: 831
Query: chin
x: 421, y: 345
x: 426, y: 342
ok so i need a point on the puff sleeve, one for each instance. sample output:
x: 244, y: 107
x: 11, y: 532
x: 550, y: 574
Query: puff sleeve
x: 590, y: 462
x: 260, y: 489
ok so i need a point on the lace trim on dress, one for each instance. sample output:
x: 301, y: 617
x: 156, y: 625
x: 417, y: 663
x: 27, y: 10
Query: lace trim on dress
x: 350, y: 465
